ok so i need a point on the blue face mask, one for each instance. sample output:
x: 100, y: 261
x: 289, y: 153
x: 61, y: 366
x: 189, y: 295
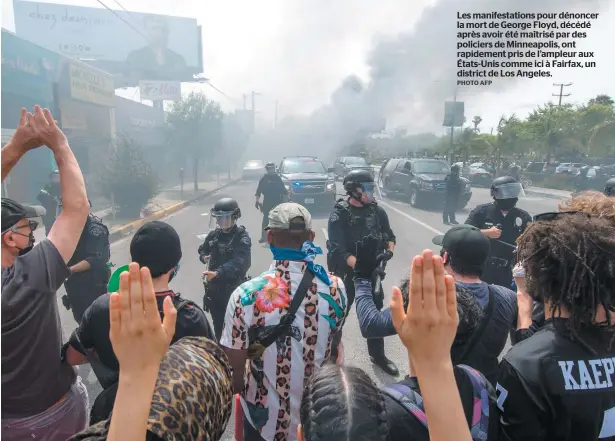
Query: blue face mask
x: 307, y: 254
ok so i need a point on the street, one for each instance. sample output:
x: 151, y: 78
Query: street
x: 414, y: 229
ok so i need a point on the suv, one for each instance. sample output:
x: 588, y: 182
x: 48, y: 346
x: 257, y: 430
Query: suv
x: 421, y: 180
x: 348, y: 163
x: 308, y: 182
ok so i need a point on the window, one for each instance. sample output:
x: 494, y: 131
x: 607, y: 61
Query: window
x: 302, y: 166
x: 431, y: 167
x: 388, y: 169
x: 356, y: 161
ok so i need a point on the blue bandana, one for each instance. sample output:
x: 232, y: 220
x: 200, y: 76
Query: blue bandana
x: 307, y: 254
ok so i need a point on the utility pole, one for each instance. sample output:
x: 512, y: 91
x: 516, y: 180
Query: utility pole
x: 450, y: 160
x: 561, y: 91
x: 245, y: 102
x: 254, y: 109
x: 275, y: 117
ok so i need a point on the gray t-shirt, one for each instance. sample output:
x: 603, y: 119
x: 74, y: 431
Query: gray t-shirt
x: 33, y: 375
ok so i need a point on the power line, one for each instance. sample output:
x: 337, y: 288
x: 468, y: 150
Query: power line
x: 561, y: 91
x: 121, y: 18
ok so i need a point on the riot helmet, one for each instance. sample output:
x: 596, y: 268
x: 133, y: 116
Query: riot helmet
x: 270, y: 167
x: 609, y: 187
x: 359, y: 184
x: 506, y: 191
x: 455, y: 169
x: 224, y: 214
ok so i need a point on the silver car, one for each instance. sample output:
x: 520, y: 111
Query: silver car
x: 254, y: 169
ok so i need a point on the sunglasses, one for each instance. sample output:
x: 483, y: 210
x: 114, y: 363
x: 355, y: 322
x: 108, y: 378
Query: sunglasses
x: 545, y: 217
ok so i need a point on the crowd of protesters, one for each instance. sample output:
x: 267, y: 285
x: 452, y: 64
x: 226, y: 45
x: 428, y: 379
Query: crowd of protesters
x: 166, y: 377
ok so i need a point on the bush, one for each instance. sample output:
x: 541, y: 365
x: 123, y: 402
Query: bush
x: 128, y: 178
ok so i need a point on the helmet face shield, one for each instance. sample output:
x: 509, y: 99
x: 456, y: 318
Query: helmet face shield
x: 508, y: 191
x: 368, y: 190
x: 222, y: 220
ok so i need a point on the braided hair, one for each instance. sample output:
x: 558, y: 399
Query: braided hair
x: 570, y: 263
x: 341, y: 403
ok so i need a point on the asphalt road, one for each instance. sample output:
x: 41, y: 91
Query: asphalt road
x: 414, y: 229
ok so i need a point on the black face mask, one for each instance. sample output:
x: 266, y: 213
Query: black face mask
x: 506, y: 204
x: 31, y: 241
x: 174, y: 273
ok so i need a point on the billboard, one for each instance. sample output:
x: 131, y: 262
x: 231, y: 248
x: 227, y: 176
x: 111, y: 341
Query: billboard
x: 132, y: 45
x: 453, y: 114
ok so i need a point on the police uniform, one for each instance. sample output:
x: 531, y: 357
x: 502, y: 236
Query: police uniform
x: 501, y: 260
x: 556, y: 387
x: 609, y: 187
x: 230, y: 256
x: 274, y: 193
x: 348, y: 227
x: 84, y: 287
x: 454, y: 186
x: 49, y: 197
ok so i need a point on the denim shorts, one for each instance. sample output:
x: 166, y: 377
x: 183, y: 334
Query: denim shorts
x: 59, y: 422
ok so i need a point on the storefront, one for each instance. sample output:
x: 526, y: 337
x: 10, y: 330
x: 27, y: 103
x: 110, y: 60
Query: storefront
x: 86, y: 100
x: 28, y: 76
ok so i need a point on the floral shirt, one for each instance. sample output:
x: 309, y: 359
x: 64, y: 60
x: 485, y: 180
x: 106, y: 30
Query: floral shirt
x: 274, y: 382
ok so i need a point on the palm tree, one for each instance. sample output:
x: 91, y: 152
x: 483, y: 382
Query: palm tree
x: 476, y: 122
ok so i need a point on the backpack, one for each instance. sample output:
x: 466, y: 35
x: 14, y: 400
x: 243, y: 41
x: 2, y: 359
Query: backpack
x: 413, y: 402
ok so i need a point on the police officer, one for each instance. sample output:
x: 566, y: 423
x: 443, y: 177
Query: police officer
x: 274, y: 193
x: 609, y: 187
x: 354, y: 222
x: 502, y: 222
x: 49, y: 197
x: 89, y: 268
x: 454, y: 185
x: 227, y: 251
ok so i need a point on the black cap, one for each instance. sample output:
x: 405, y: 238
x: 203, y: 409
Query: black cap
x: 13, y: 212
x: 156, y: 245
x: 465, y: 243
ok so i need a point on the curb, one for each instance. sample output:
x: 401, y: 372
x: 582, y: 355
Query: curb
x: 125, y: 230
x: 547, y: 195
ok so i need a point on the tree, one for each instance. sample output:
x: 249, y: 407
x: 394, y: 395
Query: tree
x: 127, y: 178
x: 476, y: 122
x: 195, y: 128
x: 603, y: 100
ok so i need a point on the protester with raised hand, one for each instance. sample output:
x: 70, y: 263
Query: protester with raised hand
x: 135, y: 323
x: 157, y: 397
x: 37, y: 387
x: 427, y: 329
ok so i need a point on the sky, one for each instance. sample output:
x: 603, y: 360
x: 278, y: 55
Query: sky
x: 298, y: 52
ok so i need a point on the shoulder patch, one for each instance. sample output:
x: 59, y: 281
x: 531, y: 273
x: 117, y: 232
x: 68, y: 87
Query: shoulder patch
x: 245, y: 240
x: 334, y: 217
x: 96, y: 230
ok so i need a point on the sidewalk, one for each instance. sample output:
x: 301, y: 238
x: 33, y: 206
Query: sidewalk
x: 166, y: 202
x: 548, y: 192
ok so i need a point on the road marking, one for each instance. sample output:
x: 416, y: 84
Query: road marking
x: 413, y: 219
x: 204, y: 214
x: 324, y: 231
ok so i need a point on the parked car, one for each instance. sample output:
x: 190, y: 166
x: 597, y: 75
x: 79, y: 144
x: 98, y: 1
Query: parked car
x: 572, y: 168
x: 347, y: 163
x: 421, y: 180
x: 253, y: 169
x: 478, y: 176
x: 308, y: 182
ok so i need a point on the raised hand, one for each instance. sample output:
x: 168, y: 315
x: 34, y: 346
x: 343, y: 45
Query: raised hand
x: 428, y: 327
x: 46, y: 129
x: 138, y: 336
x: 25, y: 137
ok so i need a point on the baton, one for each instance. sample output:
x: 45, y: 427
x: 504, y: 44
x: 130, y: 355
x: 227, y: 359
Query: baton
x: 378, y: 281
